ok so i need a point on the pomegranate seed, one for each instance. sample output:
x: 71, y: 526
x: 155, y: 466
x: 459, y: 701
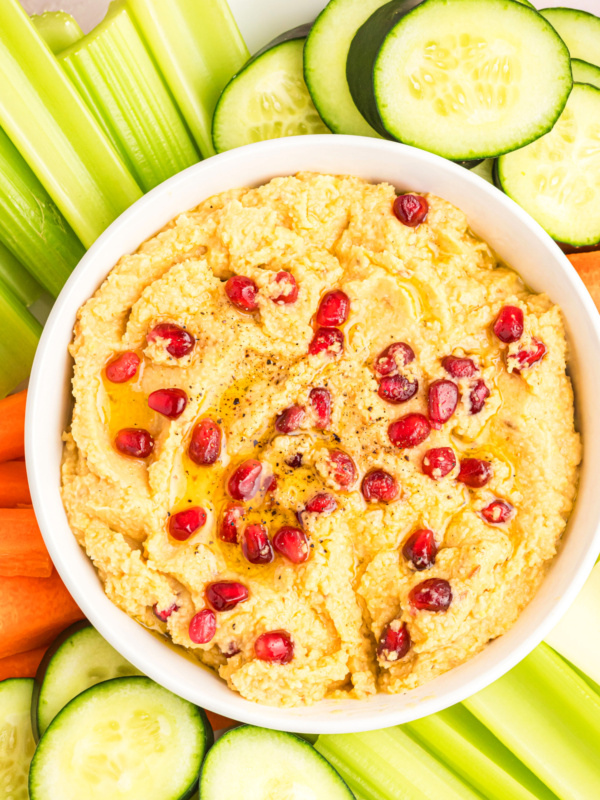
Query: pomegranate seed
x: 203, y: 626
x: 123, y: 367
x: 394, y: 642
x: 230, y: 524
x: 527, y: 356
x: 165, y: 613
x: 230, y: 650
x: 294, y: 461
x: 276, y: 647
x: 170, y: 403
x: 509, y: 324
x: 411, y: 209
x: 185, y: 523
x: 497, y: 512
x: 205, y: 444
x: 320, y: 401
x: 289, y: 287
x: 443, y: 399
x: 420, y: 549
x: 344, y: 469
x: 242, y: 292
x: 459, y: 367
x: 397, y: 389
x: 321, y: 503
x: 474, y: 472
x: 327, y: 340
x: 292, y: 543
x: 409, y: 431
x: 180, y: 342
x: 395, y: 356
x: 477, y: 397
x: 256, y: 545
x: 379, y: 487
x: 434, y: 594
x: 290, y: 420
x: 333, y: 309
x: 225, y: 595
x: 245, y: 481
x: 134, y: 442
x: 438, y: 462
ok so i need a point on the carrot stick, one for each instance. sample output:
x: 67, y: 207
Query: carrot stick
x: 21, y: 665
x: 218, y: 722
x: 588, y: 267
x: 14, y: 489
x: 33, y: 611
x: 22, y: 548
x: 12, y: 426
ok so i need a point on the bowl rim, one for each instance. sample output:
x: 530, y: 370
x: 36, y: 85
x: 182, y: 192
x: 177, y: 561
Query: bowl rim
x: 44, y: 491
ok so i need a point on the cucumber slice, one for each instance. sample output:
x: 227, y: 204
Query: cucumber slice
x: 268, y: 99
x: 325, y: 55
x: 16, y: 740
x: 127, y: 738
x: 465, y: 79
x: 585, y: 73
x: 579, y: 30
x: 78, y: 658
x: 557, y: 178
x: 259, y: 764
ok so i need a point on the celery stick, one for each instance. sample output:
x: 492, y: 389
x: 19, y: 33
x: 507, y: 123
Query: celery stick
x: 550, y: 719
x: 198, y: 47
x: 19, y: 336
x: 31, y: 226
x: 577, y: 635
x: 390, y: 765
x: 56, y: 133
x: 14, y: 275
x: 58, y: 29
x: 457, y: 738
x: 118, y: 80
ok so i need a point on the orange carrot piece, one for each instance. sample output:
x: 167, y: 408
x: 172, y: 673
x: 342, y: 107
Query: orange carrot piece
x: 33, y: 611
x: 21, y: 665
x: 12, y: 426
x: 22, y: 548
x: 588, y: 267
x: 14, y: 489
x: 218, y: 722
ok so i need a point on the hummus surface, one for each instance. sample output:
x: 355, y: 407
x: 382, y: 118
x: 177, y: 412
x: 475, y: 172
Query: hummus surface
x: 436, y: 287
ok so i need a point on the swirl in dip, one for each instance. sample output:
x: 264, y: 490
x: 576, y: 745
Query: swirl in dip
x: 321, y: 438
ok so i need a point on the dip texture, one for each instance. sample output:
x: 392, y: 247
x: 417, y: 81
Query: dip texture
x: 409, y: 561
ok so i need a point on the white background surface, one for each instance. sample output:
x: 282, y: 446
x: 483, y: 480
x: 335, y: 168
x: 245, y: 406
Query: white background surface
x: 259, y: 20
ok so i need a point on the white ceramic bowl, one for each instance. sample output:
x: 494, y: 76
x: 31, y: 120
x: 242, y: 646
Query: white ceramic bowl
x: 520, y: 242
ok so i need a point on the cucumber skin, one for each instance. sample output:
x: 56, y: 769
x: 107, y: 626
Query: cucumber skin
x: 41, y: 671
x: 209, y: 737
x: 300, y: 32
x: 362, y: 57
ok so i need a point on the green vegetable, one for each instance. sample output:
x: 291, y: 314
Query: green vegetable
x: 77, y: 659
x: 52, y: 128
x: 585, y: 73
x: 456, y: 737
x: 14, y: 275
x: 31, y: 226
x: 198, y: 48
x: 121, y: 86
x: 290, y: 769
x: 391, y: 765
x: 550, y: 719
x: 16, y: 741
x: 579, y: 30
x: 571, y: 636
x: 268, y: 99
x: 19, y: 336
x: 58, y: 29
